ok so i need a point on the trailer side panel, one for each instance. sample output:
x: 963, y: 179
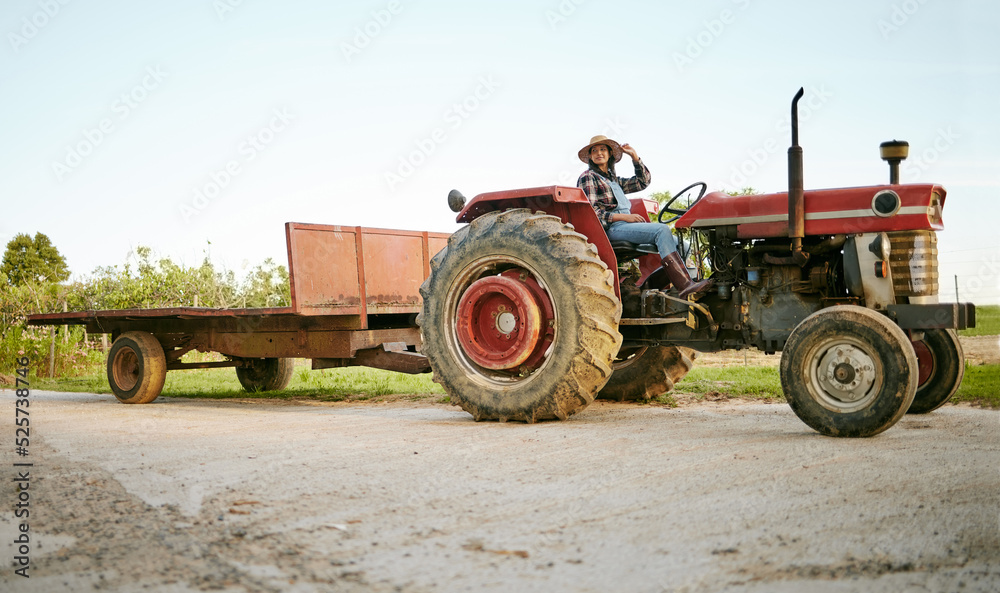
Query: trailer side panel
x: 337, y: 270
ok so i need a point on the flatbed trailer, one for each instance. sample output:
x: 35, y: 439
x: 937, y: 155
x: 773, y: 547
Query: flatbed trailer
x: 354, y: 301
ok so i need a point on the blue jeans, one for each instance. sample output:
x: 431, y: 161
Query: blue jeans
x: 644, y: 232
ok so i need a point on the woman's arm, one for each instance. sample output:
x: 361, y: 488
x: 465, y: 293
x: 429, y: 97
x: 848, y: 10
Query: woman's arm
x: 642, y: 177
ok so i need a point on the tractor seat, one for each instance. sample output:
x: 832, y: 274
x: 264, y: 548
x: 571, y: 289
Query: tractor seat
x: 625, y: 251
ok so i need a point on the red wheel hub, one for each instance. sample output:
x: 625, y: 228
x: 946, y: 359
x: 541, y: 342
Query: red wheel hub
x: 501, y: 322
x: 925, y: 362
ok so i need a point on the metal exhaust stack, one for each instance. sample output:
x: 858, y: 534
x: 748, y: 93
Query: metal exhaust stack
x: 796, y: 188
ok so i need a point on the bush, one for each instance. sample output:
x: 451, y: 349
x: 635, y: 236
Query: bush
x: 75, y: 354
x: 140, y: 283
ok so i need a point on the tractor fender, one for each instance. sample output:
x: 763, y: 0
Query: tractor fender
x: 570, y: 204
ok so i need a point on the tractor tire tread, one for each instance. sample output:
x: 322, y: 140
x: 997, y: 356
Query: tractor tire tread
x: 576, y: 273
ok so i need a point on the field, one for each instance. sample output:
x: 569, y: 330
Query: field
x: 987, y: 322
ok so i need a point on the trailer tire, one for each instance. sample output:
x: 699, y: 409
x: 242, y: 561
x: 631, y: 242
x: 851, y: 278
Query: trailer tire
x: 519, y: 318
x: 941, y: 361
x: 848, y: 371
x: 265, y: 374
x: 641, y: 374
x: 137, y: 367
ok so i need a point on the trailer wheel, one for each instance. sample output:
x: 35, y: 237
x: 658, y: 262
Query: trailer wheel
x: 640, y: 374
x: 519, y: 318
x: 942, y: 366
x: 265, y: 374
x: 848, y: 371
x: 137, y: 367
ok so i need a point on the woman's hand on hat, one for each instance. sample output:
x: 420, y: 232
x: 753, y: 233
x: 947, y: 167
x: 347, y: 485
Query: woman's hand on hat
x: 627, y: 149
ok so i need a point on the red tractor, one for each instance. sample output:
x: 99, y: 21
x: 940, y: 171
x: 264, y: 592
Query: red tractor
x: 526, y: 317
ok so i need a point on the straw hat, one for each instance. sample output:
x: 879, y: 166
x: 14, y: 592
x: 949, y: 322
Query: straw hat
x: 616, y: 149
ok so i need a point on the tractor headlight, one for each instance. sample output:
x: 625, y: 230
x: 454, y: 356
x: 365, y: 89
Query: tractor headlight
x: 886, y: 203
x: 881, y: 247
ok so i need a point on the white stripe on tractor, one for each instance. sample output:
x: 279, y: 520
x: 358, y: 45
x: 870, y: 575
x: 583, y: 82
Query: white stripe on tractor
x: 867, y: 213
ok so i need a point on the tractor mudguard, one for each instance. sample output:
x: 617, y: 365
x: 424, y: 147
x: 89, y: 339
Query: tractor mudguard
x: 570, y: 204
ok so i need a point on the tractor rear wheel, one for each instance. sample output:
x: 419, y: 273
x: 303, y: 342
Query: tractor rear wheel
x: 848, y: 371
x: 640, y: 374
x: 137, y: 367
x: 519, y: 318
x: 942, y: 366
x: 265, y: 374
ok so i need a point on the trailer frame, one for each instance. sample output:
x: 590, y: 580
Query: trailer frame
x: 354, y: 301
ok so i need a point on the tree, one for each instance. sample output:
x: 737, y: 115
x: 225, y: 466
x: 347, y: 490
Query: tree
x: 33, y: 260
x: 661, y: 197
x: 267, y: 286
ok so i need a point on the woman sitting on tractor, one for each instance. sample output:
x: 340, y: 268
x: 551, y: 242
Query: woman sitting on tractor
x: 606, y: 192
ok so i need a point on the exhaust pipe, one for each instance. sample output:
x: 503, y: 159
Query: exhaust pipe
x: 796, y: 198
x: 796, y: 188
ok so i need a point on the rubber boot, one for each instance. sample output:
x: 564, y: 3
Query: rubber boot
x: 680, y: 278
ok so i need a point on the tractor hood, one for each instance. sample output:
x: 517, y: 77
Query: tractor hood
x: 827, y: 211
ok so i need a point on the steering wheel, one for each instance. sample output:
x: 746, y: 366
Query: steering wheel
x: 676, y: 211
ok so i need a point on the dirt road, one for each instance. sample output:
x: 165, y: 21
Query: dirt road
x: 185, y: 495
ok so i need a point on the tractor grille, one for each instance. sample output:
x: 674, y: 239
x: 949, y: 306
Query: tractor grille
x: 914, y: 263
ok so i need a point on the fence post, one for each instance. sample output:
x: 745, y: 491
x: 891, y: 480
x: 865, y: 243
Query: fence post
x: 65, y: 327
x: 52, y: 354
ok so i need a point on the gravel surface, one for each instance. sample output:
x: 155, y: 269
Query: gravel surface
x: 187, y: 495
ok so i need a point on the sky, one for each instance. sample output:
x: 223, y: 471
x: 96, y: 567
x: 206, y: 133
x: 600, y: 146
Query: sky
x: 199, y: 127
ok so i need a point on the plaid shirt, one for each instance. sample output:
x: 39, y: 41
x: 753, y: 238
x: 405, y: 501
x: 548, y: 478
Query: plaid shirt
x: 598, y: 190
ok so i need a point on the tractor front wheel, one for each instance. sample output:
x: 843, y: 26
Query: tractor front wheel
x: 942, y: 366
x: 848, y: 371
x: 640, y: 374
x: 519, y: 318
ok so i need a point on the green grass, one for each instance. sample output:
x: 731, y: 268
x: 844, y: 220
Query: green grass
x: 754, y: 382
x: 349, y: 384
x: 981, y: 386
x: 987, y: 322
